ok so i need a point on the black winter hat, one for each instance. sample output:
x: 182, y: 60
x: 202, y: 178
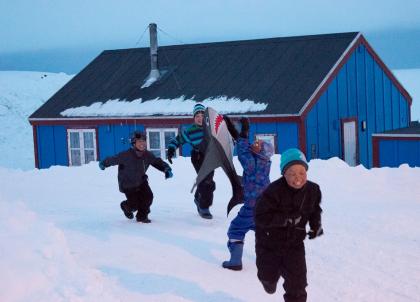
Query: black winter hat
x: 138, y: 135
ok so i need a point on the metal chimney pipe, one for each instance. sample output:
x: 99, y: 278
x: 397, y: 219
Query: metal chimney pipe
x: 154, y: 67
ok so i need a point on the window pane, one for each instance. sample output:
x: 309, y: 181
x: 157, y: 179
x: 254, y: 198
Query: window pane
x: 156, y: 152
x: 88, y: 139
x: 74, y: 140
x: 168, y: 137
x: 89, y: 156
x: 75, y: 158
x: 154, y: 140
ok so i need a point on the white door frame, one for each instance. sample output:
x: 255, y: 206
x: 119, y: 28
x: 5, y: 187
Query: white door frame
x: 81, y: 144
x: 349, y: 141
x: 161, y: 138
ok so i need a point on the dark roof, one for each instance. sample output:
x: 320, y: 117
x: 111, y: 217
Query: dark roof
x: 414, y: 128
x: 283, y: 72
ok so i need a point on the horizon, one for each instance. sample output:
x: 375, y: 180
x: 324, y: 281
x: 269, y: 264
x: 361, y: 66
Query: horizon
x: 65, y: 37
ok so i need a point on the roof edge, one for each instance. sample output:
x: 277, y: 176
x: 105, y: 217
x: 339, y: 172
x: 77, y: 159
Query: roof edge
x: 330, y: 75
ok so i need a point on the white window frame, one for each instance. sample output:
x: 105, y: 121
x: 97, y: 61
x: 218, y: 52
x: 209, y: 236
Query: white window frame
x: 162, y: 139
x: 271, y: 138
x: 81, y: 144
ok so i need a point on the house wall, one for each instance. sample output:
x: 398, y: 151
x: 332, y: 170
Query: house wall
x: 112, y: 138
x: 51, y: 146
x: 362, y: 90
x: 394, y: 151
x: 287, y: 134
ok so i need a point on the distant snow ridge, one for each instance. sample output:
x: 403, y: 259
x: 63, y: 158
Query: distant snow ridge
x: 178, y: 106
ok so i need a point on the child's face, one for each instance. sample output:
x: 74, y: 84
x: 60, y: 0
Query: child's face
x: 198, y: 119
x: 140, y: 145
x: 296, y: 176
x: 256, y: 146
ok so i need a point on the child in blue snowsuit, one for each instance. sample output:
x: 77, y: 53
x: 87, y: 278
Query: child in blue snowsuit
x: 255, y: 160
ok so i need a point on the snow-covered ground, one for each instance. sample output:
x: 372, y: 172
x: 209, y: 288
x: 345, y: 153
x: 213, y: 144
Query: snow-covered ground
x: 64, y: 238
x: 21, y: 93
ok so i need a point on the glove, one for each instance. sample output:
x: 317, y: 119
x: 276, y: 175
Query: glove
x: 315, y: 233
x: 245, y: 127
x: 168, y: 173
x: 102, y: 165
x: 171, y: 153
x: 231, y: 128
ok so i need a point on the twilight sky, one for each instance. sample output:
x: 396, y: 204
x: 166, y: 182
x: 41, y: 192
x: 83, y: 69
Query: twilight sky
x: 82, y: 27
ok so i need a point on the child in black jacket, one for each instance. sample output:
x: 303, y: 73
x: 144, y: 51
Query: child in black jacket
x: 132, y: 178
x: 281, y: 215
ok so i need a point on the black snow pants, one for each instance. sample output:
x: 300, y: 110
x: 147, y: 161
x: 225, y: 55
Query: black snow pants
x: 288, y: 263
x: 140, y: 200
x: 204, y: 193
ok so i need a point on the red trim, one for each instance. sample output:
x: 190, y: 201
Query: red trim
x: 377, y: 139
x: 397, y: 138
x: 96, y: 122
x: 346, y: 120
x: 35, y: 135
x: 331, y: 77
x: 302, y: 136
x: 375, y: 152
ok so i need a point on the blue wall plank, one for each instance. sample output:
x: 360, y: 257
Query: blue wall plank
x: 106, y: 144
x: 388, y: 115
x: 60, y: 142
x: 362, y: 104
x: 351, y: 86
x: 393, y: 153
x: 333, y: 121
x: 379, y: 99
x: 46, y: 146
x: 52, y: 146
x: 311, y: 124
x: 395, y: 96
x: 287, y: 136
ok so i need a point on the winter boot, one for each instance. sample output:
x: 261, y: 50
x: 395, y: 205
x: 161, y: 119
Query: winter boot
x: 126, y: 209
x: 204, y: 213
x: 143, y: 220
x: 236, y: 249
x: 269, y: 287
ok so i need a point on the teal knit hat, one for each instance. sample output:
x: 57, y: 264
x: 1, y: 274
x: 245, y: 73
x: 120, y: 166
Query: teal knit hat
x: 290, y: 157
x: 198, y: 108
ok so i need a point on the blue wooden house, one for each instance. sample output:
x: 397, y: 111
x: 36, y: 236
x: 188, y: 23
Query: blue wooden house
x: 329, y: 95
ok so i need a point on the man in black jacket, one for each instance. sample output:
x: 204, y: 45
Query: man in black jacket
x: 281, y: 215
x: 132, y: 178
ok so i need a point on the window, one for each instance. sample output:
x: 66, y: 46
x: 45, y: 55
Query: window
x: 271, y: 138
x: 158, y: 140
x: 82, y: 146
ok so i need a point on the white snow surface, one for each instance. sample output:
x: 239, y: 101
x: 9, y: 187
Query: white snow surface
x: 21, y: 93
x: 64, y: 238
x: 177, y: 106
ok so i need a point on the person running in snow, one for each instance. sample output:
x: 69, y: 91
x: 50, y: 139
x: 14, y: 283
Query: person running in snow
x: 281, y: 215
x: 255, y: 160
x: 132, y: 178
x: 194, y: 135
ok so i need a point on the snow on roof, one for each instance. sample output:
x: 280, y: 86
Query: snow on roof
x: 178, y: 106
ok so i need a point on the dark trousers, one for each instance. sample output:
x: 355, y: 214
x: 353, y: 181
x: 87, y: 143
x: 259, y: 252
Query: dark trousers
x: 289, y: 264
x: 140, y: 200
x: 204, y: 192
